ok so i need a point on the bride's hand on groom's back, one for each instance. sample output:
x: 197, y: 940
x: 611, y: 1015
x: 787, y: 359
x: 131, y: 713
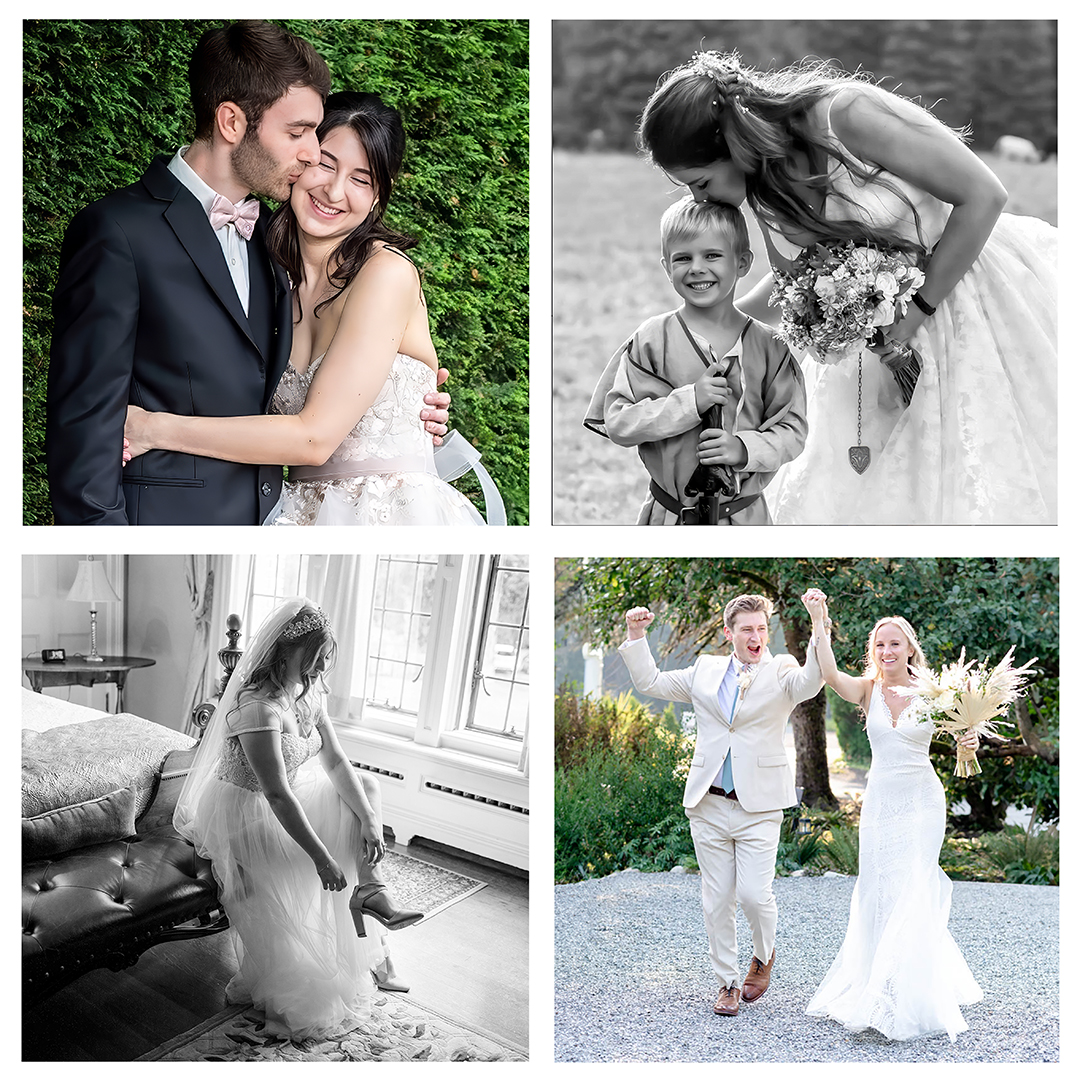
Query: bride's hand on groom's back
x: 436, y: 418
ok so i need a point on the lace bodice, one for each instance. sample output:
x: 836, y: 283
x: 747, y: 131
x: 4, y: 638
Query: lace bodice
x: 906, y: 744
x: 234, y: 767
x: 390, y: 431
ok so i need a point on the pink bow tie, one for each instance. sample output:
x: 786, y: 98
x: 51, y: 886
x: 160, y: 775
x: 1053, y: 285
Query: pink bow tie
x: 242, y: 217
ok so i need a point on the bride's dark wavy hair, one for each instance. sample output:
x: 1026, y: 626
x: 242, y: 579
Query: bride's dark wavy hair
x: 714, y: 108
x: 378, y: 127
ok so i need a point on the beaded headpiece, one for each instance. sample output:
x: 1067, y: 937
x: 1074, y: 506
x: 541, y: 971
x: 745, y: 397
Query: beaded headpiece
x: 310, y: 620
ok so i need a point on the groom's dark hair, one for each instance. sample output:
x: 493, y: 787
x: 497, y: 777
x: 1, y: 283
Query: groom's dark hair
x: 253, y: 64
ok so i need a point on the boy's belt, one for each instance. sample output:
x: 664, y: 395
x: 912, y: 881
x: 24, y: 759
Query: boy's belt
x: 671, y: 504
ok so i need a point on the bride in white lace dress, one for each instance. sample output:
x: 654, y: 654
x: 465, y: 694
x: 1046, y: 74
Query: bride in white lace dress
x: 347, y: 416
x: 822, y: 157
x: 899, y: 970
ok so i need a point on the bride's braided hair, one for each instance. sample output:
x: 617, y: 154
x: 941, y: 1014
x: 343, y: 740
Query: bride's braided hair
x: 714, y: 108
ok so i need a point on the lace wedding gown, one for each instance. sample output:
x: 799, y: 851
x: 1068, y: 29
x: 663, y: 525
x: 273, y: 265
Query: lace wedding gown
x: 383, y: 473
x: 301, y: 961
x: 899, y: 970
x: 978, y: 443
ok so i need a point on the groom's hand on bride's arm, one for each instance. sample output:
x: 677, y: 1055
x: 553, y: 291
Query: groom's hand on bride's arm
x: 436, y: 418
x: 638, y: 620
x: 717, y: 447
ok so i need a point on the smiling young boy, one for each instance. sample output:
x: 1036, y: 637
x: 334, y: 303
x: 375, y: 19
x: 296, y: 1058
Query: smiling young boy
x: 666, y: 377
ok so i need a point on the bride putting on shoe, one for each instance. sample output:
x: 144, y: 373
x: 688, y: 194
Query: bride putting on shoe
x: 286, y: 821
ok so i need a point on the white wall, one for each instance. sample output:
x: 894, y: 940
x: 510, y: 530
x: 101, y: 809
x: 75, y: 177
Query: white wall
x: 153, y: 620
x: 50, y: 620
x: 160, y: 626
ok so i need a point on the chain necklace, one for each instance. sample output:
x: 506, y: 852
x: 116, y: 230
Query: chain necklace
x: 859, y: 455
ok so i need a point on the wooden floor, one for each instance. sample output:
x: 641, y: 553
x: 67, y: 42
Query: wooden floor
x: 469, y: 962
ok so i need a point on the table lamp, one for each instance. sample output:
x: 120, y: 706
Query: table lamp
x: 92, y: 587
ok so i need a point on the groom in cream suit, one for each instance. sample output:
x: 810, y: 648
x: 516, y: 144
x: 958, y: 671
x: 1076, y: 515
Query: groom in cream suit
x: 739, y: 781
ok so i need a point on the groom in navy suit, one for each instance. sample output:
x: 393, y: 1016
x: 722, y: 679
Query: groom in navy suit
x: 168, y: 298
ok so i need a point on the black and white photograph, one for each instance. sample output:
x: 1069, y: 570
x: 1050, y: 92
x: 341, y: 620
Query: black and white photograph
x: 805, y: 272
x: 275, y: 807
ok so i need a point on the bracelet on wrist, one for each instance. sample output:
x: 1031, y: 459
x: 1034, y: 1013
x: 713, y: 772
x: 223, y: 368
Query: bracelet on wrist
x: 922, y: 304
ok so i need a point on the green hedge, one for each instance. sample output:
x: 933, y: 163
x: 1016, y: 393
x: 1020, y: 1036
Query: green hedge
x: 103, y: 97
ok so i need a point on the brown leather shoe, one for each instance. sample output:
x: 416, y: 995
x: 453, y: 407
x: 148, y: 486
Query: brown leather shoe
x: 757, y: 980
x: 727, y: 1004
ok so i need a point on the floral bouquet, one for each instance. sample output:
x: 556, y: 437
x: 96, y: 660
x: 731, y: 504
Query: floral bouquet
x: 968, y: 697
x: 839, y: 295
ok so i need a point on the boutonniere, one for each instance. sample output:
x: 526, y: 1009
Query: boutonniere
x: 747, y: 676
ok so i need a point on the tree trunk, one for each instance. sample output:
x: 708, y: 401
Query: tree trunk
x: 811, y: 758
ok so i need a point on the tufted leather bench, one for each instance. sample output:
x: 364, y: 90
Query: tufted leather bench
x: 104, y: 905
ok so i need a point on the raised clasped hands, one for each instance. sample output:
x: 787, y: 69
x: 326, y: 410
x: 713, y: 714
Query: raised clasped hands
x: 638, y: 620
x: 814, y: 602
x: 331, y: 877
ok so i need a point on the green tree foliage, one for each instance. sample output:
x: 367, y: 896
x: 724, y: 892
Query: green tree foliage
x: 103, y: 97
x: 982, y: 605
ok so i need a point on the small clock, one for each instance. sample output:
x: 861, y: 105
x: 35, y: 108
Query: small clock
x: 53, y: 656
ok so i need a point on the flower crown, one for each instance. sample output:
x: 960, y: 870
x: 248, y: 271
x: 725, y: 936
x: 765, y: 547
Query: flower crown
x: 304, y: 624
x: 724, y: 69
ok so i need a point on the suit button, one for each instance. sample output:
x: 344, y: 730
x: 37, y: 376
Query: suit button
x: 266, y: 489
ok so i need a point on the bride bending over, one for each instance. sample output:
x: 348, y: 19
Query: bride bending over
x: 284, y: 832
x: 346, y: 416
x: 899, y: 969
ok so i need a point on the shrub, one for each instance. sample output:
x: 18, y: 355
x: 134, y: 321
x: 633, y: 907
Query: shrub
x: 101, y: 98
x: 618, y: 788
x: 840, y: 849
x: 1024, y: 858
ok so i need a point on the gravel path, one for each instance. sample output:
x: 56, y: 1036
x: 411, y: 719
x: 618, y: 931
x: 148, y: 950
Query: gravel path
x: 633, y: 980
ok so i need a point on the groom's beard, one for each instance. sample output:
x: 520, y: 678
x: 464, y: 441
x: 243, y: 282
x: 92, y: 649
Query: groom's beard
x: 256, y: 167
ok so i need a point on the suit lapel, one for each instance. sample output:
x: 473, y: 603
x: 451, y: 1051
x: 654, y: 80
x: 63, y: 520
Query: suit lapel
x: 189, y: 222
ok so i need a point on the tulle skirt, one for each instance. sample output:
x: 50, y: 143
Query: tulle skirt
x: 978, y: 443
x: 413, y: 498
x: 301, y: 961
x: 899, y: 970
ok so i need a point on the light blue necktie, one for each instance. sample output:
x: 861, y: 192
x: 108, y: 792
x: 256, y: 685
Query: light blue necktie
x: 726, y: 782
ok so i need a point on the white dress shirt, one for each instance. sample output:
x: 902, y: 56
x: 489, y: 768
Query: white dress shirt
x: 233, y: 245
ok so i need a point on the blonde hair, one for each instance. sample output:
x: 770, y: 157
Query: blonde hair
x: 747, y: 602
x: 917, y: 659
x: 688, y: 219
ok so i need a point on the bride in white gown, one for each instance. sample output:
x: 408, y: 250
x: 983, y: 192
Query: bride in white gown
x: 822, y: 157
x: 347, y: 416
x: 286, y: 822
x: 899, y: 970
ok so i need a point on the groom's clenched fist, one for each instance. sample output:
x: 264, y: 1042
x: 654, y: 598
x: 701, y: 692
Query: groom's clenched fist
x: 638, y: 620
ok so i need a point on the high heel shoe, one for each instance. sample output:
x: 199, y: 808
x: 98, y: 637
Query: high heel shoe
x: 377, y: 902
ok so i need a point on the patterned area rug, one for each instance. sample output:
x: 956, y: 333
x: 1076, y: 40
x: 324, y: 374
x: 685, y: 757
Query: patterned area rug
x: 424, y: 887
x: 399, y: 1030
